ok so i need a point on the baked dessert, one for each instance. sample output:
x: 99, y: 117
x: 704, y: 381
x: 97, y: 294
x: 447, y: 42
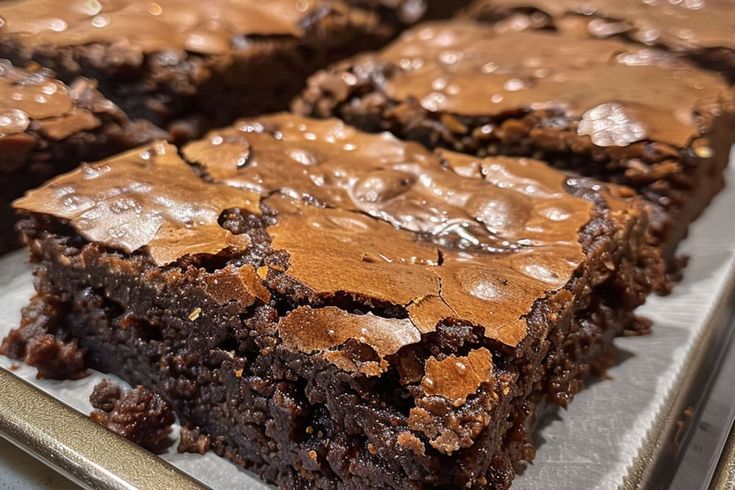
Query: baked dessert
x: 601, y: 108
x: 189, y: 64
x: 339, y: 309
x: 47, y: 128
x: 701, y: 30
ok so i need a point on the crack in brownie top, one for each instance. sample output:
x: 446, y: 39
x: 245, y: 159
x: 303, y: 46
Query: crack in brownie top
x: 199, y: 26
x: 685, y: 24
x: 444, y: 236
x: 37, y: 98
x: 470, y: 70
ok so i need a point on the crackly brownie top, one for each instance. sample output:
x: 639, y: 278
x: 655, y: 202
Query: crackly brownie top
x: 144, y: 198
x: 620, y: 94
x: 37, y: 99
x: 200, y: 26
x: 442, y: 236
x: 682, y: 24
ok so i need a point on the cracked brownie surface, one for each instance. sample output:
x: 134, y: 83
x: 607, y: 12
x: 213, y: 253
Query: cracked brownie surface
x: 602, y: 108
x: 48, y: 127
x: 340, y: 309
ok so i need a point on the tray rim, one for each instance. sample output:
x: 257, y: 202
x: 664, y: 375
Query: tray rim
x: 667, y: 438
x: 88, y: 454
x: 724, y: 476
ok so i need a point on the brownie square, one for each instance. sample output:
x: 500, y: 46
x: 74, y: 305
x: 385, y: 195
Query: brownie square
x: 601, y: 108
x: 335, y: 308
x: 47, y: 128
x: 701, y: 30
x: 187, y: 65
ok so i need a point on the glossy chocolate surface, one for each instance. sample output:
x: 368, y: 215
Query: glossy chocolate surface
x: 206, y: 27
x: 678, y: 24
x: 27, y: 97
x: 619, y: 93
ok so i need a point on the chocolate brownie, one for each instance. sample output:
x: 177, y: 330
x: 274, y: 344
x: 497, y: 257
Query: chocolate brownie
x: 189, y: 64
x: 47, y: 127
x: 334, y: 308
x: 701, y: 30
x: 602, y: 108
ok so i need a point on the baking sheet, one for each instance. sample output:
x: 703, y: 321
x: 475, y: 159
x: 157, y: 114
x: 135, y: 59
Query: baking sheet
x: 606, y: 436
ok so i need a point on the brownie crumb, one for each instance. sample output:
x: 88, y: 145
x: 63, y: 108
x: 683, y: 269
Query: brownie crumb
x: 640, y: 326
x: 193, y: 441
x: 105, y: 394
x: 140, y: 415
x: 35, y: 342
x: 55, y: 358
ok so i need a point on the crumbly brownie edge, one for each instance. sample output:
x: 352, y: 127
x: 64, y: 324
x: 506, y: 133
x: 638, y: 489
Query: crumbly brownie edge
x: 679, y: 182
x: 112, y: 320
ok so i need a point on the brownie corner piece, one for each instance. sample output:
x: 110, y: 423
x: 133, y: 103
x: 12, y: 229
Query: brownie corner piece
x: 47, y: 127
x: 649, y: 120
x: 333, y: 308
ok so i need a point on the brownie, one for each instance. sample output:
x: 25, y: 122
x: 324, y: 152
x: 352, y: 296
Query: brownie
x: 337, y: 309
x: 700, y: 30
x: 47, y: 128
x: 140, y: 415
x: 601, y: 108
x: 186, y: 65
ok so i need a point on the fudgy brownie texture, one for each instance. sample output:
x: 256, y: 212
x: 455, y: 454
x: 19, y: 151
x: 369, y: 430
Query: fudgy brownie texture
x: 186, y: 65
x: 601, y: 108
x: 701, y: 30
x: 47, y: 128
x: 340, y: 309
x: 139, y: 415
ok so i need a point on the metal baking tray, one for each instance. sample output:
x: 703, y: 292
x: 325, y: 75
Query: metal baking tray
x: 650, y: 424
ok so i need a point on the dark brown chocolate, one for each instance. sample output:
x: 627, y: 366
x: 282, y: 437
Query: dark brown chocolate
x: 193, y: 441
x: 139, y: 415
